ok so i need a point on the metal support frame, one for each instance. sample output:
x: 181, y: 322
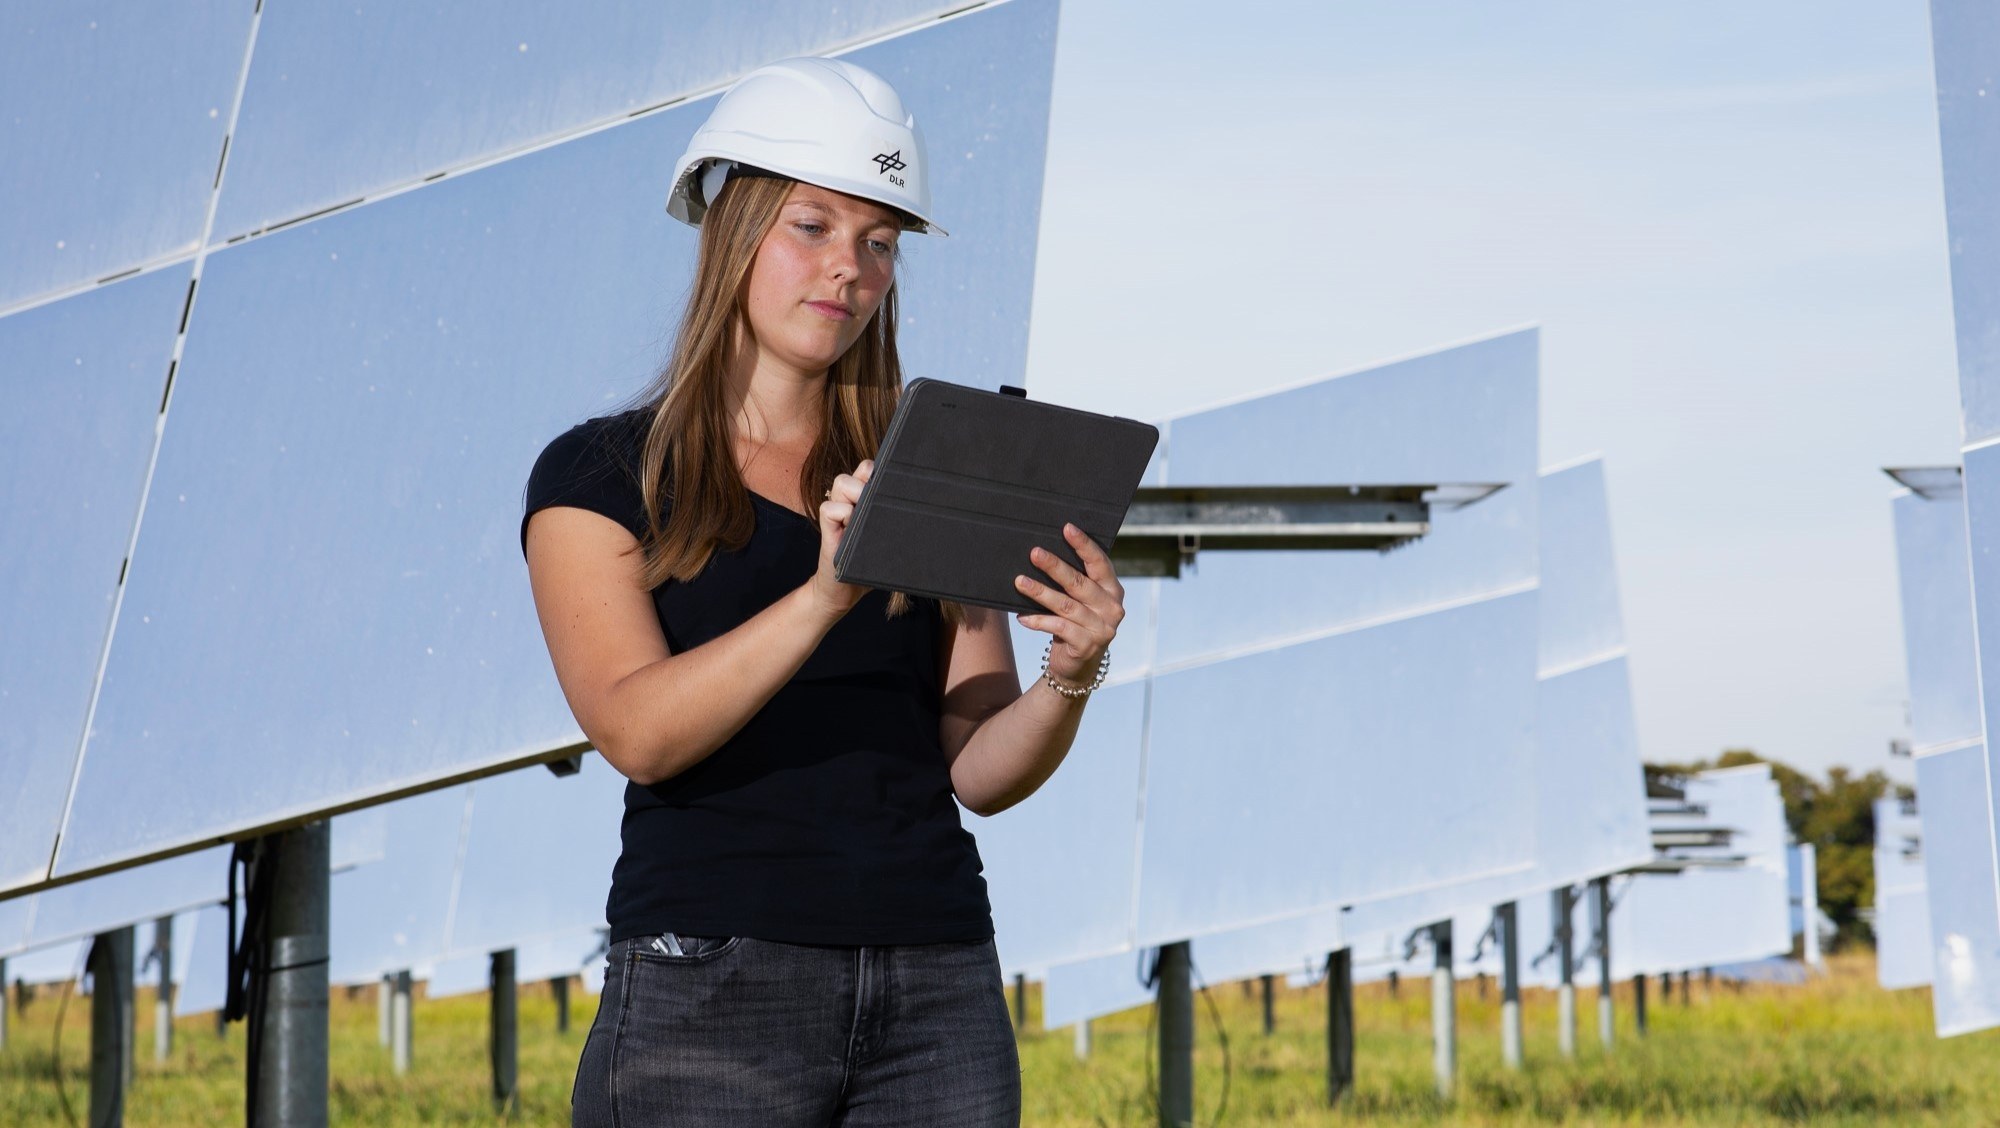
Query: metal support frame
x: 1339, y: 1024
x: 1174, y: 975
x: 1444, y: 1010
x: 1685, y: 996
x: 6, y: 1000
x: 1167, y: 525
x: 1600, y: 926
x: 1020, y: 1001
x: 1270, y: 1014
x: 1809, y: 906
x: 288, y: 1070
x: 1507, y: 920
x: 1562, y: 909
x: 384, y: 987
x: 559, y: 988
x: 163, y: 996
x: 402, y: 1022
x: 1082, y: 1043
x: 1639, y: 1004
x: 1395, y: 984
x: 503, y: 1032
x: 111, y: 1016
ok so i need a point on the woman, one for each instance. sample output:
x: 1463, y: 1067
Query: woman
x: 799, y: 930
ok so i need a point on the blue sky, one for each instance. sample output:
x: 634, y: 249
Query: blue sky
x: 1727, y: 219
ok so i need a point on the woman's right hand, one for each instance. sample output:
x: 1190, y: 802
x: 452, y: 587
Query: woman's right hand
x: 837, y: 598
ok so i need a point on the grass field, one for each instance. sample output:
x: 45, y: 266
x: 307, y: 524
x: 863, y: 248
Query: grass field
x: 1837, y: 1051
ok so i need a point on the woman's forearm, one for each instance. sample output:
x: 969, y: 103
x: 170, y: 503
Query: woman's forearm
x: 1015, y: 750
x: 671, y: 714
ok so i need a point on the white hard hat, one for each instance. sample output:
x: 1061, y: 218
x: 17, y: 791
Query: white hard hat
x: 821, y: 121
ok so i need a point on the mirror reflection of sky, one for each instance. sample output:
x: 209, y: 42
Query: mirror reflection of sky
x: 1726, y: 218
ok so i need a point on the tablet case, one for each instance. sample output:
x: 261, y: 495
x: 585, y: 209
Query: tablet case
x: 968, y: 480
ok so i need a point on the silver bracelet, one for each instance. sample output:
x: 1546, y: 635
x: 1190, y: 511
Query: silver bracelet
x: 1074, y: 693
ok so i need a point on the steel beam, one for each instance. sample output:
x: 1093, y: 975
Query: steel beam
x: 402, y: 1028
x: 1510, y: 984
x: 1339, y: 1024
x: 503, y: 1033
x: 1167, y: 525
x: 288, y: 1068
x: 1562, y: 907
x: 111, y: 1020
x: 1176, y: 1005
x: 1444, y: 1010
x: 1600, y: 926
x: 1639, y: 1004
x: 163, y: 996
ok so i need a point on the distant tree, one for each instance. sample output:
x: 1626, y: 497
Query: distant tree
x: 1837, y: 817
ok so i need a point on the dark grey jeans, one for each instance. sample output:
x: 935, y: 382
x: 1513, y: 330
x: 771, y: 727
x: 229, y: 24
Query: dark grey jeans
x: 752, y: 1032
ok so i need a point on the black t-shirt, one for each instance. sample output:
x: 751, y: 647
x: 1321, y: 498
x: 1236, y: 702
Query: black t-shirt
x: 828, y: 818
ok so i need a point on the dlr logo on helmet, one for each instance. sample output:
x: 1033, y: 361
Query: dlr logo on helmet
x: 892, y: 163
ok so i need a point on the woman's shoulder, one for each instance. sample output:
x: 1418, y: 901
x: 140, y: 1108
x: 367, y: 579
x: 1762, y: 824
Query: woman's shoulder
x: 600, y: 438
x: 593, y: 465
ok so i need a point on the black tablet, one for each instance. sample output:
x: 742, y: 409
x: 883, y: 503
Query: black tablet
x: 968, y: 481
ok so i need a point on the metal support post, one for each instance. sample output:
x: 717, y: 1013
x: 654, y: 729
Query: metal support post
x: 559, y: 987
x: 1176, y: 1003
x: 401, y: 1023
x: 1562, y: 909
x: 163, y: 997
x: 1684, y: 988
x: 288, y: 1067
x: 1809, y: 904
x: 111, y: 1016
x: 1395, y: 983
x: 383, y: 989
x: 1444, y: 1010
x: 1020, y: 1001
x: 1666, y: 987
x: 1639, y: 1004
x: 5, y: 1000
x: 1082, y: 1039
x: 1270, y: 1018
x: 502, y: 1032
x: 1600, y: 925
x: 1510, y: 985
x: 1339, y: 1024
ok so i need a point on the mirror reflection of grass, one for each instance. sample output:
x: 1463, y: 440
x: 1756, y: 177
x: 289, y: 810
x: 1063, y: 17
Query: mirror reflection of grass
x: 1838, y: 1051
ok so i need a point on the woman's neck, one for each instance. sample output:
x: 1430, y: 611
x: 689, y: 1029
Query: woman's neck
x: 773, y: 403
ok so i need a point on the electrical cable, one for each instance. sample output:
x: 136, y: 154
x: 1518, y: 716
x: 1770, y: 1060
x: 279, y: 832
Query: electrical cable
x: 62, y: 1005
x: 249, y: 957
x: 1221, y: 1035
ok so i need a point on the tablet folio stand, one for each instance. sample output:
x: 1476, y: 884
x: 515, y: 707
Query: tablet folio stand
x: 967, y: 481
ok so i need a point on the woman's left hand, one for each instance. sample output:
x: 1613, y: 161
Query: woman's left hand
x: 1084, y: 611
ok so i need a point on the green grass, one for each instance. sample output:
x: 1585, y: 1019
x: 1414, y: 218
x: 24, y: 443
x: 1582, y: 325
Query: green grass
x: 1838, y: 1051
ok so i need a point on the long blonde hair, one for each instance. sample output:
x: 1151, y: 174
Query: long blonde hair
x: 689, y: 456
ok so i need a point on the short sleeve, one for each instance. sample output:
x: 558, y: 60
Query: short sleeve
x: 588, y: 467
